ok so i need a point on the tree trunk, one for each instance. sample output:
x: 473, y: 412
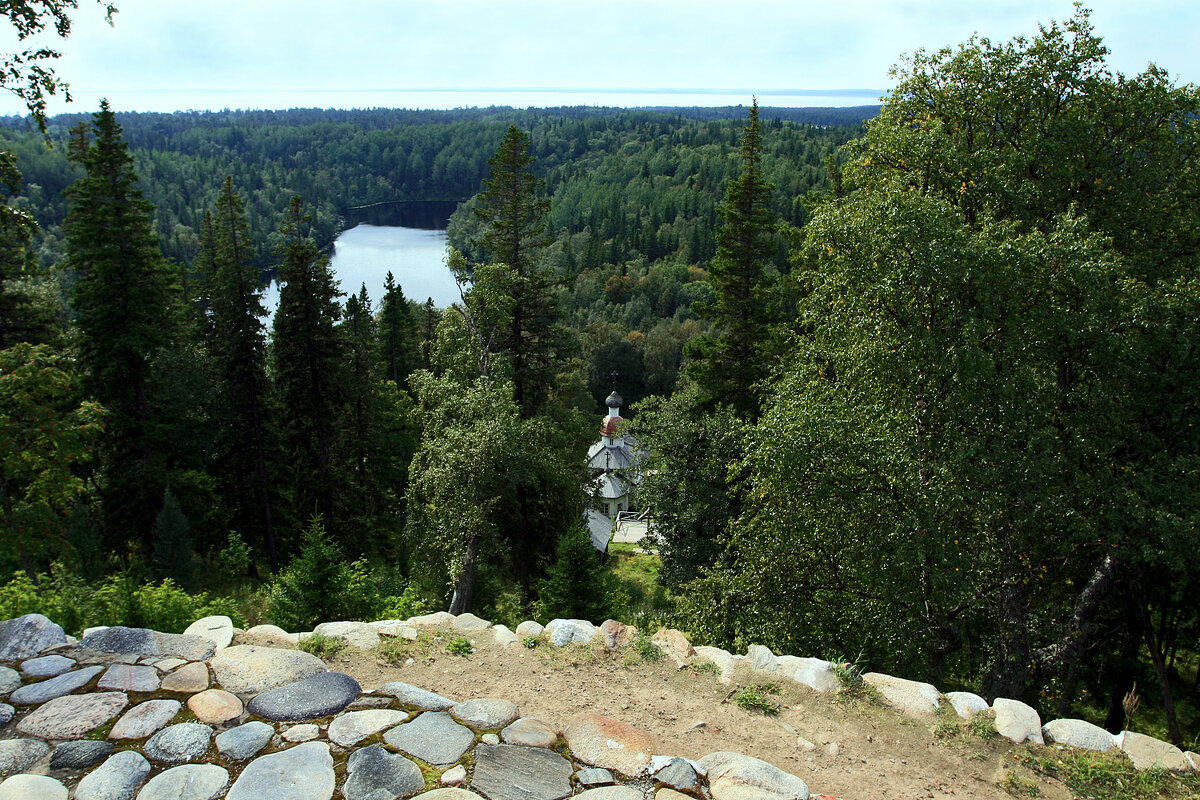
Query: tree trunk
x: 464, y: 587
x: 1160, y: 672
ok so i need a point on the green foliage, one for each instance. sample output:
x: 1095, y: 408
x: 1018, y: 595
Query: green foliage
x: 322, y: 646
x: 173, y: 555
x: 117, y: 600
x: 392, y: 651
x: 125, y: 301
x: 646, y: 649
x: 575, y: 585
x: 1111, y: 776
x: 408, y: 603
x: 460, y: 646
x: 727, y: 365
x: 45, y: 434
x: 235, y: 557
x: 529, y: 642
x: 974, y: 458
x: 757, y: 697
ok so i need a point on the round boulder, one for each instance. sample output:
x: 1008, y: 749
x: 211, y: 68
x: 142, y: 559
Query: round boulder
x: 317, y: 696
x: 245, y: 669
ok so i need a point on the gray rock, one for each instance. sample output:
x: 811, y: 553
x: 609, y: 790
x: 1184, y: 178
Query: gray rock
x: 563, y: 632
x: 966, y: 704
x: 18, y: 755
x: 317, y: 696
x: 1078, y: 733
x: 179, y: 744
x: 470, y: 622
x: 371, y: 769
x: 679, y: 775
x: 733, y: 776
x: 80, y: 754
x: 34, y: 693
x: 32, y: 787
x: 129, y: 678
x: 350, y: 729
x: 722, y: 658
x: 190, y: 678
x: 217, y: 629
x: 25, y: 637
x: 246, y: 669
x: 267, y: 636
x: 455, y: 776
x: 305, y: 732
x: 73, y: 716
x: 1017, y: 721
x: 145, y: 642
x: 447, y: 793
x: 508, y: 772
x: 530, y: 732
x: 432, y: 737
x: 815, y: 673
x: 762, y: 659
x: 303, y: 772
x: 486, y: 713
x: 187, y: 782
x: 46, y: 666
x: 530, y: 628
x: 9, y: 679
x: 357, y: 634
x: 144, y: 719
x: 415, y: 697
x: 908, y: 697
x: 116, y: 779
x: 612, y: 793
x: 431, y: 620
x: 6, y: 714
x: 594, y: 776
x: 1146, y: 752
x: 244, y: 741
x: 504, y: 637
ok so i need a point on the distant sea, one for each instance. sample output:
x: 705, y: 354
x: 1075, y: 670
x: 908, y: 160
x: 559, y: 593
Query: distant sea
x: 170, y: 100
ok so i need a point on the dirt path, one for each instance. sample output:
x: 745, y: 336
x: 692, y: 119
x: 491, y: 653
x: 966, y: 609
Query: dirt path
x: 863, y: 751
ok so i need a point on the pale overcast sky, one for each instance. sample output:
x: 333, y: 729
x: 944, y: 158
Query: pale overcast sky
x: 164, y: 55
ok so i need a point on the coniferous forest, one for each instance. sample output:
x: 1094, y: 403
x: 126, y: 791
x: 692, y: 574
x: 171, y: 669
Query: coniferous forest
x: 919, y: 384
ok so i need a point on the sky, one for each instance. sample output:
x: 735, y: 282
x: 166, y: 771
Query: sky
x: 168, y: 55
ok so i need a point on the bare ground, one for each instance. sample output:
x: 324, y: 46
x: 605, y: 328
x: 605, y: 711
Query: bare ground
x: 864, y: 750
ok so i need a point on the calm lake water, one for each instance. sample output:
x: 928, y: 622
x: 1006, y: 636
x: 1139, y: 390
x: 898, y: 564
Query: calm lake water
x: 365, y: 254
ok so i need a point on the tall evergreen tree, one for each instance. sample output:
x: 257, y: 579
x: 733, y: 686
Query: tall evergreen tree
x: 514, y: 216
x: 727, y: 364
x: 238, y: 349
x: 307, y: 366
x: 398, y: 347
x: 123, y: 301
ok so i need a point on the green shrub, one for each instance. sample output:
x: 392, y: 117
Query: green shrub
x: 460, y: 646
x: 408, y: 603
x: 646, y: 649
x: 755, y: 697
x: 574, y: 587
x: 117, y: 600
x: 529, y: 642
x: 322, y: 646
x: 173, y: 555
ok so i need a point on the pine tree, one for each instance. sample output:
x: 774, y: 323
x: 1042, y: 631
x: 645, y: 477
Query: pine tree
x: 307, y: 366
x: 173, y: 555
x: 123, y: 301
x: 574, y: 585
x: 514, y: 216
x: 398, y: 347
x: 238, y: 349
x: 728, y: 364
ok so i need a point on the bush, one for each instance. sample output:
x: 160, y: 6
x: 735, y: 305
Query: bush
x: 323, y: 647
x: 318, y: 586
x: 574, y: 587
x: 117, y: 600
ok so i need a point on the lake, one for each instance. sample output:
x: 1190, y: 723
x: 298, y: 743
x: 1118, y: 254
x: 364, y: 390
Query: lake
x: 365, y: 254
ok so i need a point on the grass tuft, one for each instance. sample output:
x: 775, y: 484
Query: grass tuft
x: 322, y: 646
x: 755, y: 697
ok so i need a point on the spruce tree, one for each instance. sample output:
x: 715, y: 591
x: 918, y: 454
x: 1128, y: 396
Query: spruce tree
x: 398, y: 347
x: 307, y: 367
x: 727, y: 364
x: 238, y: 349
x: 514, y: 216
x: 173, y: 555
x: 123, y: 302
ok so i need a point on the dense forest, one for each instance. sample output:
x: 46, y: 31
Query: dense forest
x: 919, y: 394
